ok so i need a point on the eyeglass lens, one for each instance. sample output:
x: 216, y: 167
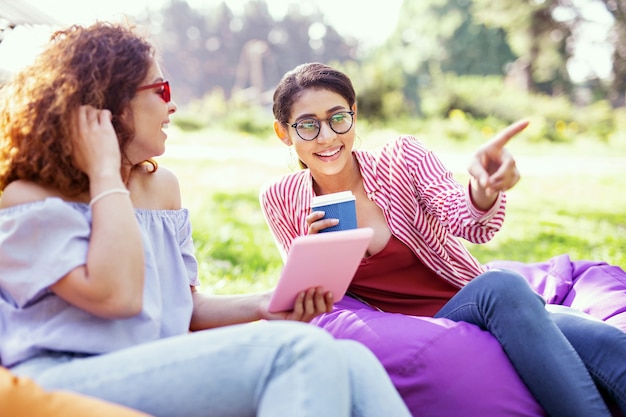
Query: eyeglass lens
x: 165, y: 91
x: 309, y: 129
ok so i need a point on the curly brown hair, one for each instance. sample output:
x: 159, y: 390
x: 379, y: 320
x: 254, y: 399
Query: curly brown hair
x: 101, y: 65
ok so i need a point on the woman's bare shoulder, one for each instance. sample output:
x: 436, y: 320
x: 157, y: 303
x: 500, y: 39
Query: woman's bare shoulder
x: 22, y: 192
x: 159, y: 190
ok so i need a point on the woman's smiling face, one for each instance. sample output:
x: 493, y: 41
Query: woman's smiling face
x: 151, y: 115
x: 329, y: 153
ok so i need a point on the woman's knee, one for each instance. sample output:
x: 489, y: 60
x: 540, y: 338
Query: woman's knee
x: 507, y: 281
x: 503, y: 276
x: 508, y: 286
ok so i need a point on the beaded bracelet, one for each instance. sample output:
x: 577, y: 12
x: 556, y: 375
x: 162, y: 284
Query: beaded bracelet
x: 106, y: 193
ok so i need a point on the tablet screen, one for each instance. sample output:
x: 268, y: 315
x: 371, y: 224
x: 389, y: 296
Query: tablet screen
x: 327, y: 260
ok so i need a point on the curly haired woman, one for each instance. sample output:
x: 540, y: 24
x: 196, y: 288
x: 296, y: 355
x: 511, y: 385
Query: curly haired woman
x: 98, y: 285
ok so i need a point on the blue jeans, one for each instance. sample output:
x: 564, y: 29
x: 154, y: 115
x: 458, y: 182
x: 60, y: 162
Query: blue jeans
x: 258, y: 369
x: 601, y: 347
x: 554, y: 369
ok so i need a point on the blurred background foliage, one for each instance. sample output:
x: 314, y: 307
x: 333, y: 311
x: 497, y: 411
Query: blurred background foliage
x: 504, y: 59
x: 562, y: 62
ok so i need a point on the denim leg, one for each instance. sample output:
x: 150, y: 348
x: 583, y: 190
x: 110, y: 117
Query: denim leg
x: 601, y: 347
x: 503, y: 303
x: 259, y: 369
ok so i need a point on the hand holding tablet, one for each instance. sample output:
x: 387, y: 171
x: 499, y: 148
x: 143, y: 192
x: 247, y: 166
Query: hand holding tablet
x: 327, y: 260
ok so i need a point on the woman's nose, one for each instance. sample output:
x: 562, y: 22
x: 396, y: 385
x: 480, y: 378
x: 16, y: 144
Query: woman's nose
x: 326, y: 133
x: 172, y: 107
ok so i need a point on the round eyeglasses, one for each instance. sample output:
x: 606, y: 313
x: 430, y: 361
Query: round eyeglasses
x: 309, y: 129
x: 164, y: 89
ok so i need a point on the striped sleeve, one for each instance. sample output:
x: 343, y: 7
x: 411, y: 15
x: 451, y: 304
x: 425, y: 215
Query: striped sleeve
x: 284, y: 204
x: 428, y: 209
x: 442, y: 197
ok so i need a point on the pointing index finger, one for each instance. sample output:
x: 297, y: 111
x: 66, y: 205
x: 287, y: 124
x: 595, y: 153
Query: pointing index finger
x: 503, y: 137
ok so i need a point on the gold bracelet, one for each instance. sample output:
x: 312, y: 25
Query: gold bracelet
x: 106, y: 193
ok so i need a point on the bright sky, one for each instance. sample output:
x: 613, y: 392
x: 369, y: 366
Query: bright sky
x: 371, y: 22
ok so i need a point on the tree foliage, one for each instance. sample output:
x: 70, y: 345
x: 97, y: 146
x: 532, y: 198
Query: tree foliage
x: 617, y: 8
x: 240, y: 54
x: 528, y: 43
x: 441, y: 36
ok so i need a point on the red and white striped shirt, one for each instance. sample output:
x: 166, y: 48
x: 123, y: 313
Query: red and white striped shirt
x: 425, y: 207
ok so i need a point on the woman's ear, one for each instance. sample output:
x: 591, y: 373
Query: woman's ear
x: 282, y: 131
x: 354, y: 110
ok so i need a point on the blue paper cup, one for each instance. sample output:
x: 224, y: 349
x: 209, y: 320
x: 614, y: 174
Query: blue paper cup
x: 340, y: 206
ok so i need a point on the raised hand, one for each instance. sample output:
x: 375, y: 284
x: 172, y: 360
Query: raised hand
x: 96, y: 149
x: 493, y: 168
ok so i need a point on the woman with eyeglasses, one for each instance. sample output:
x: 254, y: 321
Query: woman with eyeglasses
x: 98, y: 276
x: 415, y: 267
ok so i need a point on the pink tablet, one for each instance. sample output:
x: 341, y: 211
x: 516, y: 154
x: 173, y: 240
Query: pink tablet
x: 327, y: 260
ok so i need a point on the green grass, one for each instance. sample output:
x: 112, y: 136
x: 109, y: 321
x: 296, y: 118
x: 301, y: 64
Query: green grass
x: 544, y: 219
x: 563, y: 204
x: 235, y: 250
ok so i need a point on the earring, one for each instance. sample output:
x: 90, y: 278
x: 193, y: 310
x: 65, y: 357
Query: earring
x: 291, y: 160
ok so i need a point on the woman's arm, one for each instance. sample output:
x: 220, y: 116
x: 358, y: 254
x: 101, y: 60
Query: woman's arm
x: 211, y: 311
x: 110, y: 284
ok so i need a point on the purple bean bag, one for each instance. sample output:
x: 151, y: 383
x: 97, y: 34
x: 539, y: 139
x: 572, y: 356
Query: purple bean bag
x: 447, y: 369
x: 594, y: 287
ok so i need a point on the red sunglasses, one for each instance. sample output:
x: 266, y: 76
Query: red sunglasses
x: 165, y: 91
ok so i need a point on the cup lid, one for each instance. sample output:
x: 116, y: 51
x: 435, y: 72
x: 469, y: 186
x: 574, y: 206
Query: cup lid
x: 340, y: 197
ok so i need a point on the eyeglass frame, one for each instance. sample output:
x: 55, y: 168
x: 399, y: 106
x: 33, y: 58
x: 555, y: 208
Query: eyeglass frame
x: 319, y: 121
x: 166, y: 93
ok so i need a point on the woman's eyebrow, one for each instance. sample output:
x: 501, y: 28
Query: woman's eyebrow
x: 313, y: 115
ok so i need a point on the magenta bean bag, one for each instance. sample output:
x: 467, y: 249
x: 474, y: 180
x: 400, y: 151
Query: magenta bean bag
x: 594, y: 287
x: 447, y: 369
x: 440, y: 367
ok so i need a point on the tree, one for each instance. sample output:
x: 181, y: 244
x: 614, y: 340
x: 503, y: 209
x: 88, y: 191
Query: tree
x: 438, y: 36
x: 240, y: 54
x: 540, y: 34
x: 545, y: 35
x: 182, y: 39
x: 617, y: 89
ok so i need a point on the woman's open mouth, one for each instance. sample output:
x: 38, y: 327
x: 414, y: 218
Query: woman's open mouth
x: 329, y: 154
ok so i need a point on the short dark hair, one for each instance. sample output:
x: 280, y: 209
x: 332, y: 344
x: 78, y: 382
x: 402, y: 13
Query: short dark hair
x: 306, y: 76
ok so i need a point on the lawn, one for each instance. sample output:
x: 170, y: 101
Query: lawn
x: 570, y: 200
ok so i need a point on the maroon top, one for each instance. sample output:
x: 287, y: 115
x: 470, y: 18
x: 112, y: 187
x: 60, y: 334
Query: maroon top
x: 396, y: 281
